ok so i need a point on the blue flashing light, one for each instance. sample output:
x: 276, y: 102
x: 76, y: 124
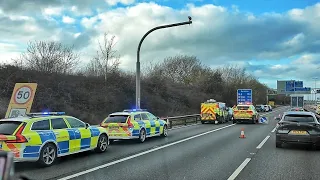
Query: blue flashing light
x: 46, y: 113
x: 134, y: 110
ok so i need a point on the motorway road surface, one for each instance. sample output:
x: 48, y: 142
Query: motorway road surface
x: 203, y: 151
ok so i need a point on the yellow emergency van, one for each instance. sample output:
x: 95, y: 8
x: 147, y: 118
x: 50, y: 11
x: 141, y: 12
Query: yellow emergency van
x: 245, y: 113
x: 213, y: 112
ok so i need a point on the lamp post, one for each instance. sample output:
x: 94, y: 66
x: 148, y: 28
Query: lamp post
x: 138, y: 79
x: 315, y: 89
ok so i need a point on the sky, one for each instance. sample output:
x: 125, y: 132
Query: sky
x: 273, y: 40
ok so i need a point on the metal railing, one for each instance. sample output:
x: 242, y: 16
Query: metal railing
x: 182, y: 120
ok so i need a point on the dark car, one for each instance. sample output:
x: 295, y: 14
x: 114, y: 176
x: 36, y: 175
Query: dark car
x: 259, y: 108
x: 298, y: 127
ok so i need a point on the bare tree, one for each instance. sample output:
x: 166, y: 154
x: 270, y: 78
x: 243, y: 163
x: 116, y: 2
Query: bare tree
x: 48, y: 57
x: 181, y: 69
x: 106, y: 60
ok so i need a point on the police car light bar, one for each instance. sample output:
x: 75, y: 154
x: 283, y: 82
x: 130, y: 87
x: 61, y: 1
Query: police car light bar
x: 134, y: 110
x: 45, y: 113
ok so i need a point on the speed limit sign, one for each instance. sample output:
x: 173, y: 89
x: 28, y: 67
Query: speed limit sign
x: 23, y: 95
x: 21, y: 99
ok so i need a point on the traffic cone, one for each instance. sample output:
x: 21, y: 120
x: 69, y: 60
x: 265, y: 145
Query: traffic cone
x: 242, y: 133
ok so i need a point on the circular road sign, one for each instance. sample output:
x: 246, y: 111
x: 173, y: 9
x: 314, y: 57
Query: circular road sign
x: 23, y: 95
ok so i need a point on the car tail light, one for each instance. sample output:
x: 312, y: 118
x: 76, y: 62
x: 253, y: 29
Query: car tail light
x: 250, y: 112
x: 130, y: 125
x: 19, y: 137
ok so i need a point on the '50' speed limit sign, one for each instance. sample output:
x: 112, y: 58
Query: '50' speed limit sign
x: 21, y: 99
x: 23, y: 95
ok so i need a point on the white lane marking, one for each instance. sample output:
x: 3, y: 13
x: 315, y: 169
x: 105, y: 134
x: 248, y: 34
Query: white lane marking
x: 239, y: 169
x: 262, y: 142
x: 140, y: 154
x: 274, y: 129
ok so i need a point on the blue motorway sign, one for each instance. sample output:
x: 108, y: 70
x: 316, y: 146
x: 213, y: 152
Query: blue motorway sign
x: 298, y: 84
x: 290, y: 86
x: 244, y: 96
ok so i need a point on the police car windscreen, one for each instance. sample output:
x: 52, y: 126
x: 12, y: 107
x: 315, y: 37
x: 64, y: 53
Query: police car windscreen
x: 116, y: 119
x: 299, y: 118
x: 8, y: 127
x: 243, y: 107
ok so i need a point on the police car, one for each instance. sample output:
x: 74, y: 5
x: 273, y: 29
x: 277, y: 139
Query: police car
x: 245, y: 113
x: 45, y: 136
x: 134, y: 124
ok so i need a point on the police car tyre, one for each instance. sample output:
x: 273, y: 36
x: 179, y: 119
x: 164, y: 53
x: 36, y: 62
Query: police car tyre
x: 165, y: 131
x: 48, y: 155
x: 102, y: 144
x: 142, y: 135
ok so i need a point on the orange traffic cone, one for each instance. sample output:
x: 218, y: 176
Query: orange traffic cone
x: 242, y: 133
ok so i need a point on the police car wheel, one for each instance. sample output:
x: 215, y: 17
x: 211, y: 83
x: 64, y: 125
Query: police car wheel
x: 48, y: 155
x: 102, y: 144
x: 142, y: 135
x: 165, y: 131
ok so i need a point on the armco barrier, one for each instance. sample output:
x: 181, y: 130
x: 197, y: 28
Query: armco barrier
x: 183, y: 120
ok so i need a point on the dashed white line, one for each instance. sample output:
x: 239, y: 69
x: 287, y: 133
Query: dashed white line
x: 274, y: 129
x: 262, y: 142
x: 239, y: 169
x: 140, y: 154
x: 247, y: 160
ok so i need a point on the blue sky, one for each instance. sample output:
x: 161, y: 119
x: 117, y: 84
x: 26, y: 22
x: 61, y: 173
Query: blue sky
x: 273, y: 40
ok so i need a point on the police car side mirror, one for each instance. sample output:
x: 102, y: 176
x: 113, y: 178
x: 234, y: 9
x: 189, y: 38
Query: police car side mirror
x: 87, y: 125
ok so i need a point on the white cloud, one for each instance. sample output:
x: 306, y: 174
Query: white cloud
x: 55, y: 11
x: 88, y: 22
x: 115, y: 2
x: 68, y: 20
x: 77, y: 35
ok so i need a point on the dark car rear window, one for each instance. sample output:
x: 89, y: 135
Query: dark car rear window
x: 116, y: 119
x: 299, y: 118
x: 8, y: 127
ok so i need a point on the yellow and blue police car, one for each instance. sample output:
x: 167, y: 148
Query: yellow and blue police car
x: 134, y: 124
x: 45, y: 136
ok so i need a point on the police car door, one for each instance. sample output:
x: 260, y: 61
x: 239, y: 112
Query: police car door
x: 145, y: 118
x: 82, y: 134
x: 59, y: 128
